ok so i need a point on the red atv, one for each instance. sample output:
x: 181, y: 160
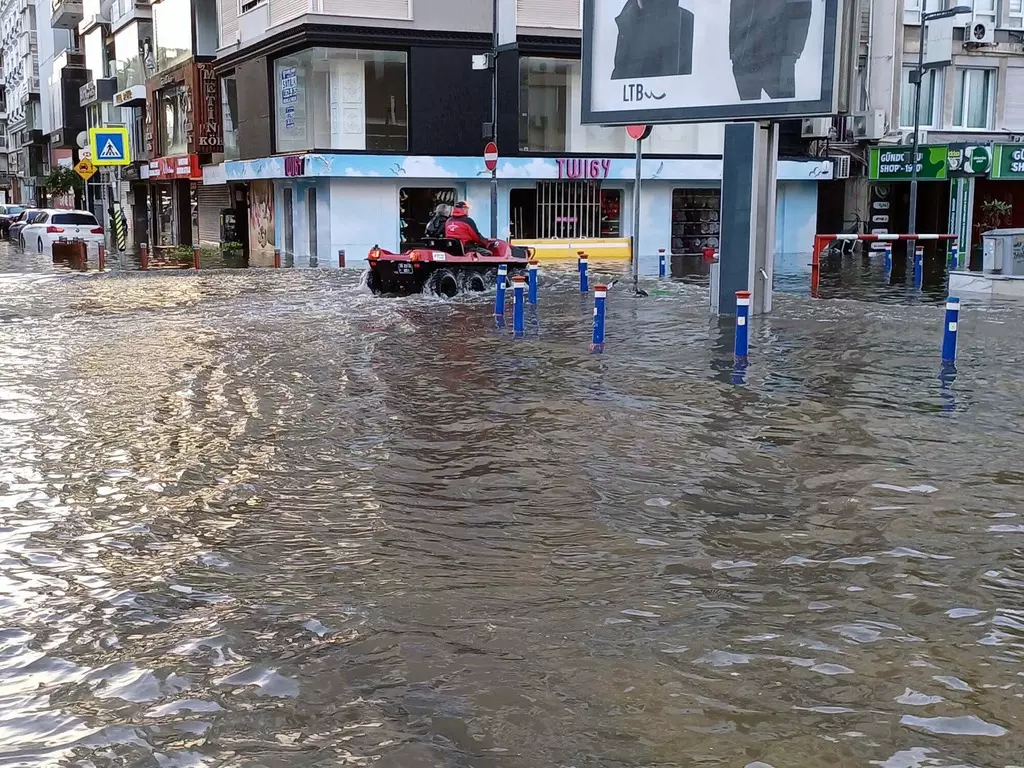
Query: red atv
x: 443, y: 266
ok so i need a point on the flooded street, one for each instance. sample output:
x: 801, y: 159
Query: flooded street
x: 264, y: 519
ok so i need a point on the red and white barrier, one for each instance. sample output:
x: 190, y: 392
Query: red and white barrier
x: 821, y: 243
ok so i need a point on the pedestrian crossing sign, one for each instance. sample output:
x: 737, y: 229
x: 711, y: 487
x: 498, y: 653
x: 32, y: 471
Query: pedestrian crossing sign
x: 109, y: 146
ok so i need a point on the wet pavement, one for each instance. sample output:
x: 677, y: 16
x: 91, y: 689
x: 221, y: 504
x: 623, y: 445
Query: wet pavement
x: 264, y: 519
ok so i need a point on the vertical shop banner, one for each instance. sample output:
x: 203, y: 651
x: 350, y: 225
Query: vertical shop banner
x: 207, y: 117
x: 261, y: 223
x: 660, y: 61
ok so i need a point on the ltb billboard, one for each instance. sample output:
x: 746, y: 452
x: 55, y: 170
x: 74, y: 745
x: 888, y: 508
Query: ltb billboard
x: 677, y: 61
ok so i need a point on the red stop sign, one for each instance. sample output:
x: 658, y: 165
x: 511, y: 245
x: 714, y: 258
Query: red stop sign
x: 638, y: 132
x: 491, y: 156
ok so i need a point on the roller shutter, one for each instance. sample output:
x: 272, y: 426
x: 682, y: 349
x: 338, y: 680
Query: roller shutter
x: 212, y: 200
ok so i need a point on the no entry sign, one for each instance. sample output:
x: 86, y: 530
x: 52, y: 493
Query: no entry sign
x: 491, y: 156
x: 638, y: 132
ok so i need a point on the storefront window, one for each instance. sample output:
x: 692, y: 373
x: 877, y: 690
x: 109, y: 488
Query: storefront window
x: 329, y: 98
x: 172, y: 25
x: 416, y: 206
x: 130, y: 61
x: 565, y: 210
x: 174, y: 112
x: 695, y: 220
x: 229, y: 104
x: 543, y: 104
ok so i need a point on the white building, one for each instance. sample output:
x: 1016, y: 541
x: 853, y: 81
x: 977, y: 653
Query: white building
x: 20, y: 61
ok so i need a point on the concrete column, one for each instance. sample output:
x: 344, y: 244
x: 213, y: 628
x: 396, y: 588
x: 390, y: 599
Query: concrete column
x: 749, y: 180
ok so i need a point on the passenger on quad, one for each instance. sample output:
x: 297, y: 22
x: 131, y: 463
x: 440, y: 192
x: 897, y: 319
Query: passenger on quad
x: 435, y: 227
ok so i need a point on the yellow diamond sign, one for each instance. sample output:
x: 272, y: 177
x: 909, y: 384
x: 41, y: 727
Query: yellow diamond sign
x: 85, y: 168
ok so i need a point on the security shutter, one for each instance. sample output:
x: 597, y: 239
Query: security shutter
x: 374, y: 9
x: 560, y: 14
x: 1013, y: 113
x: 285, y: 10
x: 212, y: 199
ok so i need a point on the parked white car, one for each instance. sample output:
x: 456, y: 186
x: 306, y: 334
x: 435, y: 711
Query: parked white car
x: 55, y: 224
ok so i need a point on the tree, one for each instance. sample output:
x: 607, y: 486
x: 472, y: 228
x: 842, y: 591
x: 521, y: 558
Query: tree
x: 63, y: 181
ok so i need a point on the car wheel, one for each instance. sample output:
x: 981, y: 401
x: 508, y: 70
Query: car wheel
x: 21, y: 239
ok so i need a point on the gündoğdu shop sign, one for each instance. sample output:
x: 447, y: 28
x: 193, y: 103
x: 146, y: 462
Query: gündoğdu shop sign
x: 1008, y: 161
x: 895, y: 164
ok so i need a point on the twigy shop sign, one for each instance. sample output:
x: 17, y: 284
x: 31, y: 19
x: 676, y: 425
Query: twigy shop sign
x: 582, y: 168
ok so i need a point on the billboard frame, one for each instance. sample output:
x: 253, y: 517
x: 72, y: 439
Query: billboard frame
x: 741, y: 112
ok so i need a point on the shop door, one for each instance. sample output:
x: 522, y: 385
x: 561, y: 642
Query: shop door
x: 289, y: 223
x: 311, y: 216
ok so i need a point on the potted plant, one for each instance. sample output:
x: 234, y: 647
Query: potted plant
x: 994, y: 214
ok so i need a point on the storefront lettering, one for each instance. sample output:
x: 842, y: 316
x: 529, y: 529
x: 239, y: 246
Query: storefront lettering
x: 1017, y: 161
x: 582, y: 168
x: 204, y: 126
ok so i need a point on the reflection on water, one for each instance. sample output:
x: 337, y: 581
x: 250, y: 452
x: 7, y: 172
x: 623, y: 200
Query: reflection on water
x: 265, y: 519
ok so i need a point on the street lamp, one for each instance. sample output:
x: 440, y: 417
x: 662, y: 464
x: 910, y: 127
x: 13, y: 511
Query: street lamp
x: 917, y: 76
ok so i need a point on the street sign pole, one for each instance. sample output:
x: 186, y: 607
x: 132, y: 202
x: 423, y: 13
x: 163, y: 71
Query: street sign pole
x: 638, y: 133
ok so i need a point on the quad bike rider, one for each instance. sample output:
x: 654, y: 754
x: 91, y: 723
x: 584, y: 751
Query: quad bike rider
x: 462, y: 228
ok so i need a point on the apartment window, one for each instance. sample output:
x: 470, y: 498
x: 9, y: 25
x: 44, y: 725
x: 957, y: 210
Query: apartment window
x: 912, y: 9
x: 985, y: 10
x: 229, y: 109
x: 931, y: 98
x: 331, y: 98
x: 130, y: 54
x: 172, y: 26
x: 174, y: 113
x: 543, y: 104
x: 975, y: 98
x: 1013, y: 13
x: 247, y: 5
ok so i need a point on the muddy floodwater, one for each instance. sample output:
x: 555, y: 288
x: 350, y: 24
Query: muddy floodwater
x: 264, y: 519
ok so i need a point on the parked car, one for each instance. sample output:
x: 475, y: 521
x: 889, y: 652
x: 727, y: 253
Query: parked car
x: 51, y: 225
x: 16, y: 225
x: 8, y: 213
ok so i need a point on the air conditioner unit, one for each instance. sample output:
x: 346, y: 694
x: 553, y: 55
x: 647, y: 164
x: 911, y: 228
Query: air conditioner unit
x: 840, y: 166
x: 907, y: 137
x: 869, y: 126
x: 816, y: 127
x: 980, y: 32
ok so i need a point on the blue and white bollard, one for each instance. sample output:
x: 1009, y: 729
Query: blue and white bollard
x: 499, y: 293
x: 531, y: 271
x: 518, y: 305
x: 953, y: 261
x: 888, y: 259
x: 950, y: 330
x: 584, y: 285
x: 661, y: 263
x: 742, y: 324
x: 600, y: 297
x: 919, y: 266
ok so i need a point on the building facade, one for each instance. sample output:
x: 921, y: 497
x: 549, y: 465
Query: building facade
x: 19, y: 57
x: 346, y: 122
x: 971, y: 118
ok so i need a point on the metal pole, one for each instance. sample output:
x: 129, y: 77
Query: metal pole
x: 912, y: 224
x: 636, y: 216
x: 494, y: 117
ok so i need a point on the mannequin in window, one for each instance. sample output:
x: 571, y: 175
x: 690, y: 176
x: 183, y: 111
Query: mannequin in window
x: 655, y: 40
x: 766, y: 37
